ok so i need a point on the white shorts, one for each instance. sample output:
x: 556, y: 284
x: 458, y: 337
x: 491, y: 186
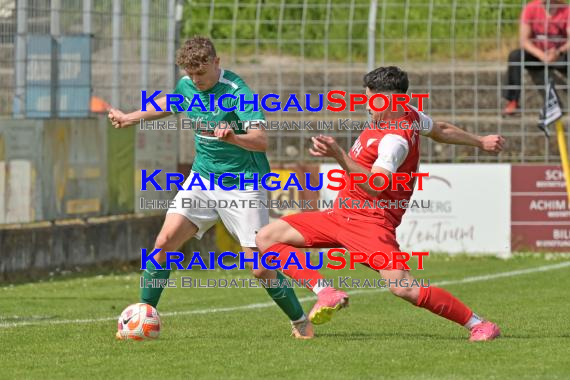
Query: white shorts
x: 242, y: 221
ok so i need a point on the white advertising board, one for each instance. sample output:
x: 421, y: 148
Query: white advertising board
x: 469, y: 210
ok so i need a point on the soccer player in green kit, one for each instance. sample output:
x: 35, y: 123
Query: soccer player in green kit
x: 218, y: 150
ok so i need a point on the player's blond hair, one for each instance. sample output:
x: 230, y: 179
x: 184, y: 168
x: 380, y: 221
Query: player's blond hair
x: 196, y: 52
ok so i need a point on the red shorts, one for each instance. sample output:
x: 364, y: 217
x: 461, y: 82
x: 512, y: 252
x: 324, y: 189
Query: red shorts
x: 327, y: 229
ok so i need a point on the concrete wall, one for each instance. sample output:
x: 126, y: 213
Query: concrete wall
x: 31, y: 250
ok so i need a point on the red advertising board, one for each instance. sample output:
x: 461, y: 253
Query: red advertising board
x: 540, y: 216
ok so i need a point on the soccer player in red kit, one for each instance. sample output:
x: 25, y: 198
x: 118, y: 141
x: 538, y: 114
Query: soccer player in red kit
x: 385, y: 150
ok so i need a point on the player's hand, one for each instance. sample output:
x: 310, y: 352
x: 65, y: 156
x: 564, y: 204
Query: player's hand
x: 119, y: 119
x: 492, y: 143
x: 224, y: 132
x: 325, y: 146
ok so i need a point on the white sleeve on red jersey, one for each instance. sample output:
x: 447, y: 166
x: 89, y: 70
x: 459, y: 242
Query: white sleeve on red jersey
x: 426, y: 123
x: 392, y: 151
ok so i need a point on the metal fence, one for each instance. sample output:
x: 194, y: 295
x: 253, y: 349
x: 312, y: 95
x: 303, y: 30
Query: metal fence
x: 456, y: 50
x: 61, y: 62
x: 128, y: 45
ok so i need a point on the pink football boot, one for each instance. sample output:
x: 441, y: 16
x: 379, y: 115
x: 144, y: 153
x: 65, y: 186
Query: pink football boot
x: 484, y: 331
x: 329, y: 301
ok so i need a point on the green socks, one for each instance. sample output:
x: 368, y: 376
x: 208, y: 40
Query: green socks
x: 151, y: 289
x: 286, y: 299
x: 153, y: 281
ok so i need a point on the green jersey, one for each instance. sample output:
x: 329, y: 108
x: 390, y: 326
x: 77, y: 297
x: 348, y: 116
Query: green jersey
x: 213, y: 155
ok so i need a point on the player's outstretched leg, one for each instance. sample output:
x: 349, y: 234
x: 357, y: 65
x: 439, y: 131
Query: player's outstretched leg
x: 284, y: 297
x: 283, y: 239
x: 442, y: 303
x: 175, y: 231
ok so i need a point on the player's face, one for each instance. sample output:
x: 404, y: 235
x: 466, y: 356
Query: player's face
x: 206, y: 76
x: 378, y: 103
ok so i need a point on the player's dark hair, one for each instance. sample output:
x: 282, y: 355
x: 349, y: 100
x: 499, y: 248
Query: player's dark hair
x: 387, y: 79
x: 195, y: 53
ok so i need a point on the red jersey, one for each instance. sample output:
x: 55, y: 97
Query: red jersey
x: 548, y: 29
x: 395, y: 149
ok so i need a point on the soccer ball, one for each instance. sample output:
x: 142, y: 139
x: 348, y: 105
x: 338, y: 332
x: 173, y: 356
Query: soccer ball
x: 138, y: 322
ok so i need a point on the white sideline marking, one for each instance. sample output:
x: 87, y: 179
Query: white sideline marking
x: 466, y: 280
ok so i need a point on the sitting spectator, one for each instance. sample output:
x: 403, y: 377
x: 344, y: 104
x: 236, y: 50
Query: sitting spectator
x: 544, y: 30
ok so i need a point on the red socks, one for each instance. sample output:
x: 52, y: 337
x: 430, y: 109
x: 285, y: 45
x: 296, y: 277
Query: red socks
x: 436, y: 300
x: 283, y: 251
x: 442, y: 303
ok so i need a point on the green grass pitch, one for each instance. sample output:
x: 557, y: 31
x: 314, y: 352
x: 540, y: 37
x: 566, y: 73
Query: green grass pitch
x: 65, y: 328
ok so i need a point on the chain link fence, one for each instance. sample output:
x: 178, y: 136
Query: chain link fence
x: 62, y: 64
x: 68, y: 58
x: 455, y: 50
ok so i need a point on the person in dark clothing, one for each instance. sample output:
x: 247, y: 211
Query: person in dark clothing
x: 544, y: 30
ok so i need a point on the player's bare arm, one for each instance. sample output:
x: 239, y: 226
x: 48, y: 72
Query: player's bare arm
x: 564, y: 48
x: 254, y: 140
x: 123, y: 120
x: 525, y: 37
x: 450, y: 134
x: 326, y: 146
